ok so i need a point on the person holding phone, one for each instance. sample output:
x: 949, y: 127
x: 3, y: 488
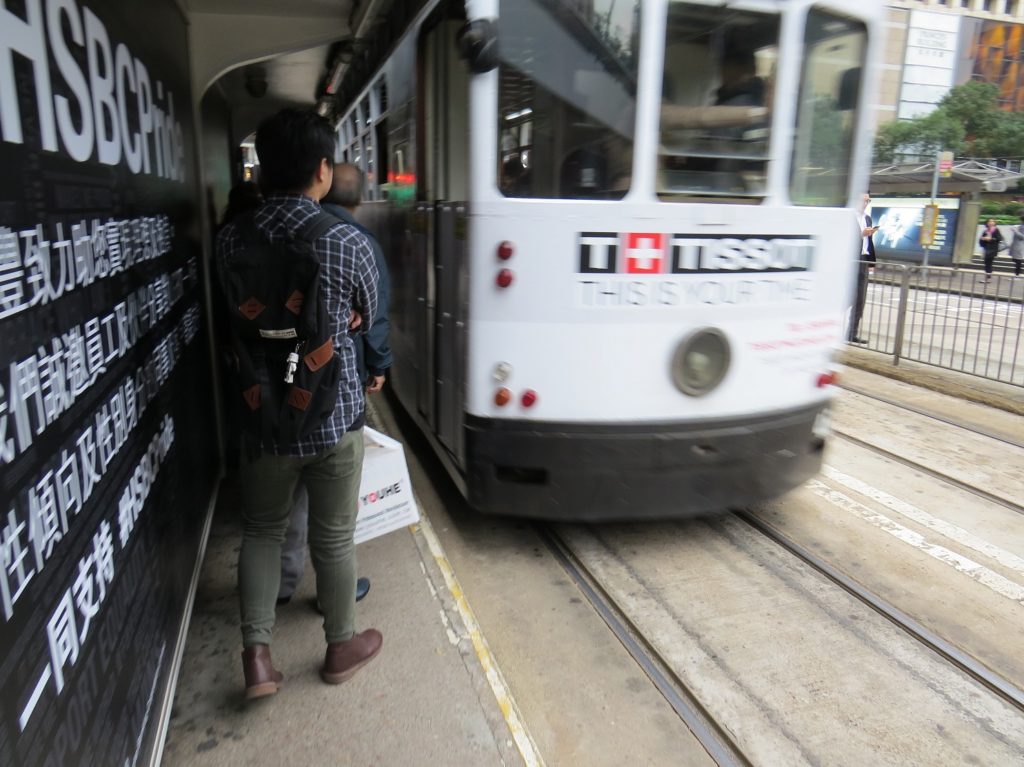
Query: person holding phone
x: 865, y: 265
x: 991, y: 243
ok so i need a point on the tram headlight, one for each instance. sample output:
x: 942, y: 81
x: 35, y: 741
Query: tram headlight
x: 701, y: 362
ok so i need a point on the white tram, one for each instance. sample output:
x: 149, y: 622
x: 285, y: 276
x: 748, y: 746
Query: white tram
x: 621, y: 241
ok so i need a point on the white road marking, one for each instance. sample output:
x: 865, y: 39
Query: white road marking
x: 983, y: 575
x: 948, y: 529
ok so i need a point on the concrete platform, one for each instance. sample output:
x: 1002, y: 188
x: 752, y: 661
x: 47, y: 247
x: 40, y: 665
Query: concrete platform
x: 425, y: 700
x: 435, y: 696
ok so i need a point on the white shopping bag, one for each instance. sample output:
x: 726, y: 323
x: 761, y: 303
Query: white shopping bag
x: 386, y: 502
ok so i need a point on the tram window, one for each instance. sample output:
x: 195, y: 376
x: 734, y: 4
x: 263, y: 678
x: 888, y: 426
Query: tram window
x: 716, y: 101
x: 834, y: 51
x: 567, y: 98
x: 383, y: 177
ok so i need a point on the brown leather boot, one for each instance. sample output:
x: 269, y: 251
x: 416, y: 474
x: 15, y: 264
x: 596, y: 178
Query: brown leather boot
x: 344, y: 659
x: 261, y: 678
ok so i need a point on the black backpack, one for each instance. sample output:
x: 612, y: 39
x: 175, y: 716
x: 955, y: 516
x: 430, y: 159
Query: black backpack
x: 287, y: 376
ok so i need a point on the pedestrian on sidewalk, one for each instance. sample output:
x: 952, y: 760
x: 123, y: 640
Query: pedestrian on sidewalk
x: 1017, y: 247
x: 373, y: 359
x: 865, y: 265
x: 296, y: 151
x: 991, y: 243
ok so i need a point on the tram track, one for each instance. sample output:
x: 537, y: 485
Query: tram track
x: 713, y: 737
x: 919, y: 467
x: 970, y: 666
x: 930, y: 414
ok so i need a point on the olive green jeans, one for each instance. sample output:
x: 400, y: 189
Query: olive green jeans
x: 268, y: 488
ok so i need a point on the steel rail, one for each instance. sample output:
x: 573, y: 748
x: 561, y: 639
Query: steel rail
x: 715, y: 740
x: 930, y: 414
x: 985, y: 494
x: 966, y: 663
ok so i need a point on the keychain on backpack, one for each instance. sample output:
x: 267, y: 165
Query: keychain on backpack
x: 293, y: 364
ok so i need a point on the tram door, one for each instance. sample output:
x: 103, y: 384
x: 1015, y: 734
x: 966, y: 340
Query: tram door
x: 444, y: 188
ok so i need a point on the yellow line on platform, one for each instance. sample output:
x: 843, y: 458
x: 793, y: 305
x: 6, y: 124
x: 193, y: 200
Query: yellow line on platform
x: 513, y: 718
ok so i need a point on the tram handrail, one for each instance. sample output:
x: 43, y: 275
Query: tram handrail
x: 947, y: 317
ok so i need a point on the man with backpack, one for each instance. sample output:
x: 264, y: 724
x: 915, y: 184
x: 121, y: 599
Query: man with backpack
x: 293, y: 277
x: 373, y: 359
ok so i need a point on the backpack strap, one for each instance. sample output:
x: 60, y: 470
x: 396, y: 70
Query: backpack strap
x: 247, y: 230
x: 317, y: 226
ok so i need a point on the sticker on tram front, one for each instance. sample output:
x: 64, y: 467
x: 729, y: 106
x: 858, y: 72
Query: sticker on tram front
x: 658, y: 253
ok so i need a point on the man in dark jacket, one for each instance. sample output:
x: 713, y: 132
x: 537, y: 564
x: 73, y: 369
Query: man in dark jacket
x: 373, y: 358
x: 374, y: 353
x: 865, y: 265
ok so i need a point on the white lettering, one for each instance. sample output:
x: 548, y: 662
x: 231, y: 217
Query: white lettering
x: 29, y: 40
x: 132, y: 143
x: 609, y: 291
x: 145, y: 105
x: 77, y: 142
x: 106, y: 111
x: 101, y: 81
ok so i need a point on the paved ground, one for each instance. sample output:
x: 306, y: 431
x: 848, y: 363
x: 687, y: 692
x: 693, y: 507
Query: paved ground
x: 795, y: 670
x: 423, y: 701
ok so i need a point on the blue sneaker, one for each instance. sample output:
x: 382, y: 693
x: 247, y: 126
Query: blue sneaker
x: 362, y: 588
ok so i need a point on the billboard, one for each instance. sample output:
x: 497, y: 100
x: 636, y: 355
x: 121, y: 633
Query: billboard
x: 899, y: 222
x: 106, y: 459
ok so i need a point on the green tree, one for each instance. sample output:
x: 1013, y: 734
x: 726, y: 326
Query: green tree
x: 922, y: 136
x: 1005, y: 139
x: 968, y: 121
x: 975, y: 105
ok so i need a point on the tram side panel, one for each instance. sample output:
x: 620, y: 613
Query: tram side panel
x: 105, y: 391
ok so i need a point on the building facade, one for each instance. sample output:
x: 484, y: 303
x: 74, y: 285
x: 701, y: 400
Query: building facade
x: 933, y: 45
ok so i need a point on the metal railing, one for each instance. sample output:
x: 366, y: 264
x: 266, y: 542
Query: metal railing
x: 950, y: 318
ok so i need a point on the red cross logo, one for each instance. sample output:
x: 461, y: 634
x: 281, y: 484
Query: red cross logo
x: 645, y: 253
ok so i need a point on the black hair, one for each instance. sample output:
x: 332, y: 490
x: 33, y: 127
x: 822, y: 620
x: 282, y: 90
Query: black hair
x: 243, y: 197
x: 290, y: 146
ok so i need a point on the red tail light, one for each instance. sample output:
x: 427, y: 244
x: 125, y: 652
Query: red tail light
x: 529, y: 398
x: 505, y: 250
x: 828, y: 379
x: 504, y: 278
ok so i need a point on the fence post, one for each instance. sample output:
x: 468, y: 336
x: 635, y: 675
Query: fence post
x: 901, y: 315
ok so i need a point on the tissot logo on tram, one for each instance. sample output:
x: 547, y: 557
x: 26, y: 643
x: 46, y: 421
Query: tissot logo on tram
x: 657, y: 253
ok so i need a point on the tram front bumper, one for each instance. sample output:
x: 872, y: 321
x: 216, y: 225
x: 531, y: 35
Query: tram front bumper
x: 640, y: 471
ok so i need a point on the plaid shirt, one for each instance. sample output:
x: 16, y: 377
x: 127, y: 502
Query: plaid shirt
x: 348, y: 280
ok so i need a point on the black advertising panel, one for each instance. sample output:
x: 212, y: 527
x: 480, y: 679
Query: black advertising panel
x: 899, y: 223
x: 107, y: 449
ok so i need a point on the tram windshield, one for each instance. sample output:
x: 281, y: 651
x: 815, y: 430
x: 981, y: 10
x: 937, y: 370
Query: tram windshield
x: 567, y: 97
x: 834, y: 52
x: 716, y: 100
